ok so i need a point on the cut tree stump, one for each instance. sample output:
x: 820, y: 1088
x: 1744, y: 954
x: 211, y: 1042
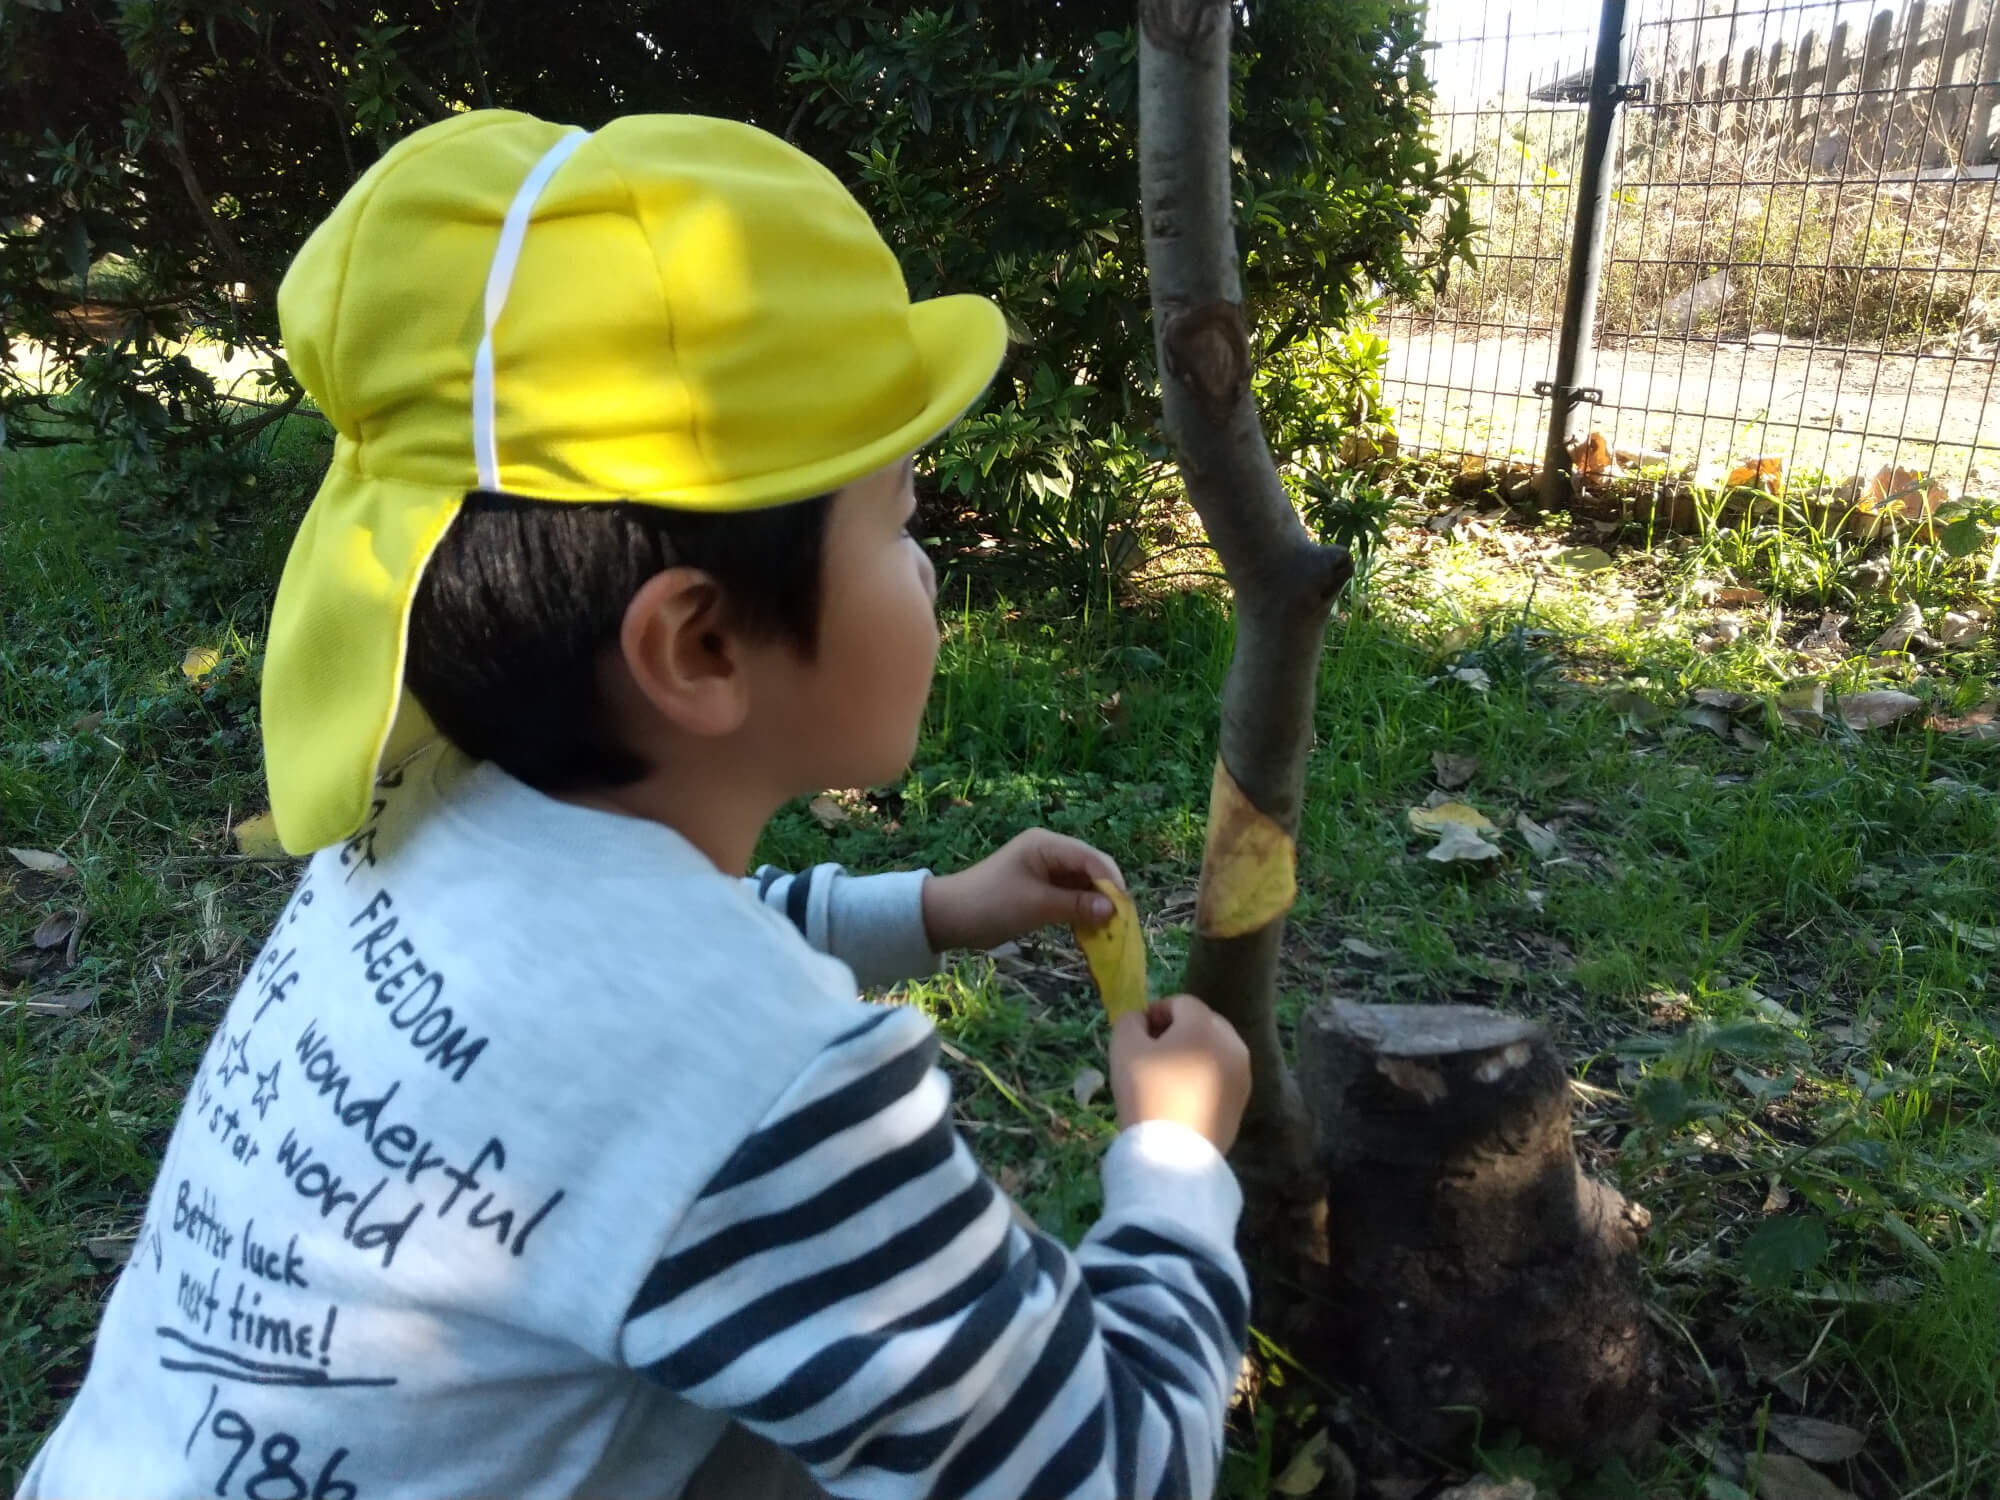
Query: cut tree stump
x: 1471, y: 1262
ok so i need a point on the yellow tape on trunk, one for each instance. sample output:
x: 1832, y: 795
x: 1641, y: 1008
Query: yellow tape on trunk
x: 1249, y: 872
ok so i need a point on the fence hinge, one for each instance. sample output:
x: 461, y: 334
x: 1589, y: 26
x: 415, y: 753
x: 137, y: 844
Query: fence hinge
x: 1627, y: 93
x: 1576, y: 395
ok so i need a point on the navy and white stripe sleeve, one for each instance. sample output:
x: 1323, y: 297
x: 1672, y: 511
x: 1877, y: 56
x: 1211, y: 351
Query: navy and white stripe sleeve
x: 872, y: 923
x: 852, y: 1287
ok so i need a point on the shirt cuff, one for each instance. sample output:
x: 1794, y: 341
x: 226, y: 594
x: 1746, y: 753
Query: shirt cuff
x: 1171, y: 1174
x: 876, y: 927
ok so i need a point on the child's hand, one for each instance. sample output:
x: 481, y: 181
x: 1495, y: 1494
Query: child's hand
x: 1036, y: 880
x: 1178, y: 1060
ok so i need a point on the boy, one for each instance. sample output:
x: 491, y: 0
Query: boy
x: 540, y: 1154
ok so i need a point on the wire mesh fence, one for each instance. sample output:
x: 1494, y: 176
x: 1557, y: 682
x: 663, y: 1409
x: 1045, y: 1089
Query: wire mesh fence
x: 1801, y: 265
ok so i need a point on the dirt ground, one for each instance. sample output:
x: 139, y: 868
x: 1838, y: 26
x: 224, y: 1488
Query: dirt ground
x: 1706, y: 404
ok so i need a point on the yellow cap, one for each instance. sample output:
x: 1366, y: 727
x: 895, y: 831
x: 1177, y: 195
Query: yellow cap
x: 676, y: 310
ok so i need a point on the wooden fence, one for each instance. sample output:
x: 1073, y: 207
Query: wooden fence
x: 1914, y: 91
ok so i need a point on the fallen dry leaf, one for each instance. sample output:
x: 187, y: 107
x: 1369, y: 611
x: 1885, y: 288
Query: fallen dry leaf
x: 1714, y: 720
x: 1116, y: 953
x: 1450, y: 814
x: 1303, y: 1474
x: 1802, y: 704
x: 1640, y: 710
x: 1084, y: 1087
x: 1592, y: 456
x: 1907, y: 628
x: 199, y: 662
x: 1961, y: 627
x: 110, y: 1249
x: 44, y: 863
x: 1825, y: 636
x: 1735, y: 596
x: 1453, y: 771
x: 826, y: 812
x: 1485, y: 1488
x: 65, y: 1003
x: 1779, y: 1476
x: 1583, y: 559
x: 1473, y: 677
x: 1542, y: 840
x: 1722, y: 698
x: 1822, y: 1442
x: 258, y: 837
x: 1765, y: 472
x: 1877, y: 709
x: 88, y: 723
x: 1458, y: 843
x: 1249, y: 875
x: 1362, y: 949
x: 1987, y: 938
x: 1747, y: 738
x: 1903, y: 492
x: 55, y: 929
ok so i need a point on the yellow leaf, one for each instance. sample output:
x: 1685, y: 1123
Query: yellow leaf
x: 1446, y: 814
x: 1248, y: 865
x: 1116, y: 953
x: 258, y: 837
x: 199, y: 662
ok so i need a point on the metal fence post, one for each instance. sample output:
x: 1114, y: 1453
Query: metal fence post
x: 1574, y: 354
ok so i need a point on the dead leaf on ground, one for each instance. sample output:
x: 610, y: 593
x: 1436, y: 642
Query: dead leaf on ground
x: 1362, y: 949
x: 1459, y: 844
x: 257, y: 837
x: 1767, y: 1365
x: 1303, y: 1475
x: 1540, y: 839
x: 65, y: 1003
x: 1484, y: 1488
x: 1825, y: 636
x: 1583, y: 559
x: 1637, y: 707
x: 1878, y: 709
x: 1748, y: 739
x: 1970, y: 722
x: 88, y: 723
x: 1084, y: 1087
x: 1765, y: 472
x: 110, y: 1249
x: 1394, y: 1487
x: 1960, y: 627
x: 1822, y: 1442
x: 1779, y: 1476
x: 42, y: 862
x: 1905, y: 631
x: 1985, y: 938
x: 1453, y: 771
x: 1450, y: 814
x: 1803, y: 704
x: 199, y: 662
x: 55, y: 929
x: 826, y: 812
x: 1714, y: 720
x: 1902, y: 492
x: 1473, y: 677
x: 1592, y: 456
x: 1724, y: 699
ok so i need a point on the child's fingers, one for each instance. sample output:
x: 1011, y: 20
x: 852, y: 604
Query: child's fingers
x: 1072, y: 862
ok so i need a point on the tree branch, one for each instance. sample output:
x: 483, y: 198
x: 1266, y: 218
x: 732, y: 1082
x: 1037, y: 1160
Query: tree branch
x: 204, y: 207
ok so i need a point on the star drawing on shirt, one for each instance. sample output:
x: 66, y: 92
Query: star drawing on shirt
x: 235, y: 1058
x: 267, y: 1091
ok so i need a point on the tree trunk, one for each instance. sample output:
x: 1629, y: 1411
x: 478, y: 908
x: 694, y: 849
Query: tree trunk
x: 1472, y: 1264
x: 1284, y: 582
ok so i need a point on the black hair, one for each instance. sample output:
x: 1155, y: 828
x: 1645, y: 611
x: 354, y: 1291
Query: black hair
x: 522, y: 598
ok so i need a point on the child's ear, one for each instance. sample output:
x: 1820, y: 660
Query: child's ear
x: 681, y: 656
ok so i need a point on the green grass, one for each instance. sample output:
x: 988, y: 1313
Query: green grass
x: 1770, y: 960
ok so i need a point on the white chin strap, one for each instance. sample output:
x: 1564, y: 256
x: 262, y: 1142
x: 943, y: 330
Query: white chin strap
x: 499, y: 278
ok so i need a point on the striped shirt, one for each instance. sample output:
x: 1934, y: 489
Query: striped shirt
x: 533, y: 1153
